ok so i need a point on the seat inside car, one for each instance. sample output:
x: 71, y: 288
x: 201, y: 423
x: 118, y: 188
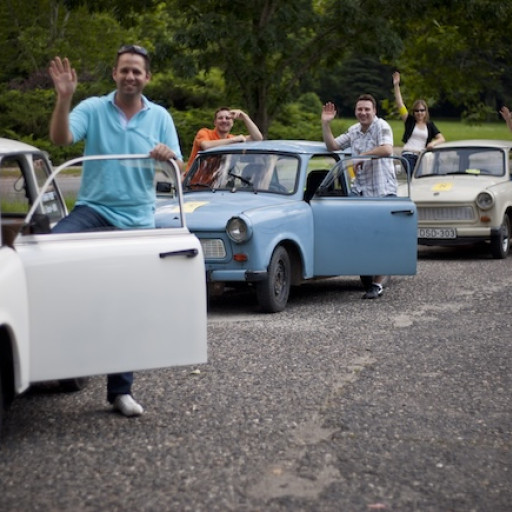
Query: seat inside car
x: 313, y: 181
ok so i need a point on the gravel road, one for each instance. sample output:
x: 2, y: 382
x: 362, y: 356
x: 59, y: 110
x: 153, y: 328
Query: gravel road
x: 336, y: 404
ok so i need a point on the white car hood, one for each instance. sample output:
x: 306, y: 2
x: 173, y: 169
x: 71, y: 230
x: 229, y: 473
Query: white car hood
x: 451, y: 188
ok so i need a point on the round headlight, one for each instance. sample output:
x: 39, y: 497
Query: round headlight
x: 237, y: 230
x: 485, y: 201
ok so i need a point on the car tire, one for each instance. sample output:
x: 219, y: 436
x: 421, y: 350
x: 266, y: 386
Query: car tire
x: 73, y: 385
x: 500, y: 244
x: 274, y: 291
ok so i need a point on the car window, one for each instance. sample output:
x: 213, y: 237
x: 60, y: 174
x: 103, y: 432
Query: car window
x: 14, y: 200
x: 334, y: 182
x: 473, y: 161
x: 161, y: 177
x: 21, y: 178
x: 339, y: 180
x: 20, y: 187
x: 245, y: 172
x: 13, y: 194
x: 317, y: 162
x: 317, y: 170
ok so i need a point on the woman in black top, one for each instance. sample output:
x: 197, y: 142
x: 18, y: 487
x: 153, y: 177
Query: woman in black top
x: 420, y: 133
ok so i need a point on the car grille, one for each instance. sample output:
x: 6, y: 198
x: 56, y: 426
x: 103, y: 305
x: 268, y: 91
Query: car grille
x: 450, y: 213
x: 213, y: 248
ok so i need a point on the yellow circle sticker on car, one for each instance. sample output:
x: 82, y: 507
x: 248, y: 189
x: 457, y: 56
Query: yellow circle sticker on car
x: 193, y: 206
x: 189, y: 207
x: 442, y: 187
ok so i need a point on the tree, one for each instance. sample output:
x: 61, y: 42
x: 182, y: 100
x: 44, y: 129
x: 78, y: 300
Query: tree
x: 267, y: 48
x: 354, y: 76
x: 34, y: 32
x: 459, y: 54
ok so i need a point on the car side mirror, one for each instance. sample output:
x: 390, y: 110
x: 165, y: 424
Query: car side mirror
x: 164, y: 187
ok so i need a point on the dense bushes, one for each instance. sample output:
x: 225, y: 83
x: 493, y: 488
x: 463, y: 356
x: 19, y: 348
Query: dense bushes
x: 25, y: 116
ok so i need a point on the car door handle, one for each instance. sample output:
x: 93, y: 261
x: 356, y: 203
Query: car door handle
x: 189, y: 253
x: 406, y: 212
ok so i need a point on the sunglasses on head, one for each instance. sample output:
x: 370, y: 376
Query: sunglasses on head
x: 133, y: 48
x: 420, y: 110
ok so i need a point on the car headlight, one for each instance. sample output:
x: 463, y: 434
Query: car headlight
x: 485, y: 201
x: 238, y: 230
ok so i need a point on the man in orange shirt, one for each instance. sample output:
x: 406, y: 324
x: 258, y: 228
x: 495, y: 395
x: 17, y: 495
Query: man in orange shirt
x: 223, y: 122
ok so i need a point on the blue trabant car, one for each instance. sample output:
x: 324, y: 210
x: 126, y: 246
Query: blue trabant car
x: 275, y: 213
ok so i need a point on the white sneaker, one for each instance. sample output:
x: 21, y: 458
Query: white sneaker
x: 127, y: 406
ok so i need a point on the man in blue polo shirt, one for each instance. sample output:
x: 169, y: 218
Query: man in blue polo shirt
x: 122, y: 122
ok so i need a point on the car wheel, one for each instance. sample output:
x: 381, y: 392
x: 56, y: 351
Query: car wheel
x: 73, y: 385
x: 273, y: 292
x: 500, y: 244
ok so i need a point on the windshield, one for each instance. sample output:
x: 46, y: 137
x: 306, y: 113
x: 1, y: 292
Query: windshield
x: 472, y: 161
x: 253, y: 172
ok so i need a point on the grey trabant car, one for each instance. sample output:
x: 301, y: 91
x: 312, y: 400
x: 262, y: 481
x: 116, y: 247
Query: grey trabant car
x: 463, y: 192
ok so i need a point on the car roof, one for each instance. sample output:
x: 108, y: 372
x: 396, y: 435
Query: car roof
x: 287, y: 146
x: 483, y: 143
x: 15, y: 146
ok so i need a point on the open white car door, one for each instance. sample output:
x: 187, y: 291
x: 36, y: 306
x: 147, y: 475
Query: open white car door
x: 111, y: 301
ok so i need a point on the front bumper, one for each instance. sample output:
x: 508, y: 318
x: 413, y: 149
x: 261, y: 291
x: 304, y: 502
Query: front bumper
x: 244, y: 276
x: 464, y: 236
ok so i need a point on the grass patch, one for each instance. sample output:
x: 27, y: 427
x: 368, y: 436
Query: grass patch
x: 455, y: 130
x: 452, y: 130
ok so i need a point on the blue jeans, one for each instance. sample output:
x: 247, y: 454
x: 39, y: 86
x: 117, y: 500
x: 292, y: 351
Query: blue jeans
x: 84, y: 218
x: 412, y: 158
x: 353, y: 193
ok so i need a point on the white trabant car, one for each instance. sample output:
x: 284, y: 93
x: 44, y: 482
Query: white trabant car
x: 81, y: 304
x: 463, y: 192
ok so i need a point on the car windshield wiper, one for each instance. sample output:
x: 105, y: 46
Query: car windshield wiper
x: 200, y: 185
x: 453, y: 173
x: 242, y: 179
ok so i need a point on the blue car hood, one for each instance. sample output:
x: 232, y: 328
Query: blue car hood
x: 210, y: 211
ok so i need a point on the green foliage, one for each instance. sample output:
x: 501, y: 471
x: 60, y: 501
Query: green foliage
x: 271, y: 58
x: 300, y: 120
x: 187, y: 123
x: 459, y: 53
x: 206, y: 90
x: 268, y: 50
x: 26, y: 112
x: 356, y: 75
x: 477, y: 114
x: 26, y: 115
x: 34, y: 32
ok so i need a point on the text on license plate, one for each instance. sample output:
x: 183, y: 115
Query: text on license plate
x: 440, y: 233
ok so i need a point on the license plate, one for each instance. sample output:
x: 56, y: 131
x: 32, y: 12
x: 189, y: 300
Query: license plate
x: 439, y: 233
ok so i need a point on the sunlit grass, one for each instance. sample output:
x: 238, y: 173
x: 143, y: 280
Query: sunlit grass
x: 70, y: 202
x: 15, y: 207
x: 455, y: 130
x: 452, y: 130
